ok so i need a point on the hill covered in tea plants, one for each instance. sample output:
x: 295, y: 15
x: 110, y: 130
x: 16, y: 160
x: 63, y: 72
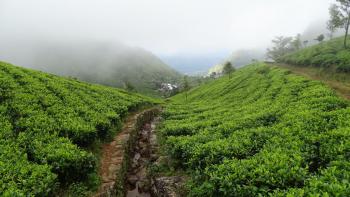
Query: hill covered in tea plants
x: 329, y: 54
x: 263, y: 132
x: 48, y: 126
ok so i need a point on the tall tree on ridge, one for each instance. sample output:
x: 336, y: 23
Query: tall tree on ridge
x: 186, y: 86
x: 228, y: 69
x: 320, y: 38
x: 340, y: 17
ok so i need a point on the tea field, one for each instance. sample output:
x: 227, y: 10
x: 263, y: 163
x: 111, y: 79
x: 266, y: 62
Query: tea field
x: 264, y: 132
x: 48, y: 125
x: 329, y: 55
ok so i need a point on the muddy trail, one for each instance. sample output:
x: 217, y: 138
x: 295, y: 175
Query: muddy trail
x: 115, y: 154
x: 124, y: 161
x: 144, y: 152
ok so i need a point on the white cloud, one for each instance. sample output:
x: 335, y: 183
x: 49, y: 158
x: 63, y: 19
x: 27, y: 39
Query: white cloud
x: 163, y: 26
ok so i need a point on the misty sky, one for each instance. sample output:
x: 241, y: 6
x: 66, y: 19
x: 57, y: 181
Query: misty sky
x: 165, y: 27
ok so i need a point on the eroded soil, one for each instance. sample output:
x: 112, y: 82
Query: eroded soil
x: 113, y: 156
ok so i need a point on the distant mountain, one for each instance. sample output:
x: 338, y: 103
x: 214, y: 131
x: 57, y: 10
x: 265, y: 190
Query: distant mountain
x: 239, y: 59
x: 97, y: 62
x: 217, y: 69
x: 194, y: 64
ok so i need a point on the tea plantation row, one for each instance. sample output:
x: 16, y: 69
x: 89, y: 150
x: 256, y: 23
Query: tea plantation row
x: 47, y: 124
x: 263, y: 132
x: 324, y: 55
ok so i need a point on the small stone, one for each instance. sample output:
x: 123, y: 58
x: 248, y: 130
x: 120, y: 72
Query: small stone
x: 154, y: 157
x: 132, y: 179
x: 167, y: 186
x: 143, y: 186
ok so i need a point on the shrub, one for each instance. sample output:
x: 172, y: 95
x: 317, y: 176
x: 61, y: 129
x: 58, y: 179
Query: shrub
x: 264, y: 133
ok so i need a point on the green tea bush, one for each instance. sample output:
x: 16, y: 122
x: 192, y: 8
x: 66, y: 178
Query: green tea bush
x: 47, y: 124
x: 265, y: 132
x: 327, y: 54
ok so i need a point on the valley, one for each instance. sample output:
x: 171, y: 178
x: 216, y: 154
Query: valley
x: 263, y: 122
x: 181, y: 98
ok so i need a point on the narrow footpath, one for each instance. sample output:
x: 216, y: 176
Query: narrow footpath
x: 140, y: 182
x: 145, y: 152
x: 125, y: 161
x: 114, y: 157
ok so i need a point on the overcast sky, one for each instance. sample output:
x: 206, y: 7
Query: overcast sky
x: 165, y: 27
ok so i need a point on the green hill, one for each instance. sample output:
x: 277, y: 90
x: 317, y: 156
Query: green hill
x: 329, y: 54
x: 112, y: 64
x: 48, y: 124
x: 263, y: 132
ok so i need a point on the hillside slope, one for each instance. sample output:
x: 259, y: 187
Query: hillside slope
x: 48, y: 124
x: 330, y: 54
x: 263, y: 132
x: 112, y: 64
x: 338, y: 81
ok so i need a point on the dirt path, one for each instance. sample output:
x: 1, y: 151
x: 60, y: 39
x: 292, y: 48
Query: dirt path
x: 125, y: 161
x: 342, y: 88
x: 113, y: 156
x: 145, y: 151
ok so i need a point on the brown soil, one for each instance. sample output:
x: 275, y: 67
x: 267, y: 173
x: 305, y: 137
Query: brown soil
x: 138, y: 182
x: 113, y: 155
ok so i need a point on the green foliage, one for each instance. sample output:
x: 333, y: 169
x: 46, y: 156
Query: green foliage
x: 340, y: 17
x: 320, y: 38
x: 228, y: 69
x: 265, y: 132
x: 128, y: 86
x: 327, y: 54
x: 46, y: 122
x: 282, y: 46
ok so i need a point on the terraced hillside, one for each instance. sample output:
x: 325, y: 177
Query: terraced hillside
x: 263, y: 132
x: 47, y: 126
x: 330, y: 55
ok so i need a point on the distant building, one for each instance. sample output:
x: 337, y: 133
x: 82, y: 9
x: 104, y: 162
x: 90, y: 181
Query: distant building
x: 168, y: 89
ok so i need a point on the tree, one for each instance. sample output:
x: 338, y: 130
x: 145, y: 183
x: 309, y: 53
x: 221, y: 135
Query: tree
x: 282, y: 46
x: 305, y: 42
x: 228, y: 69
x: 340, y: 17
x: 186, y: 85
x: 199, y: 81
x: 334, y: 23
x: 320, y: 38
x: 128, y: 86
x: 296, y: 43
x: 213, y: 75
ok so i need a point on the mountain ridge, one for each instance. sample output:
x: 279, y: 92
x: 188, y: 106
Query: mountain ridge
x: 112, y: 64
